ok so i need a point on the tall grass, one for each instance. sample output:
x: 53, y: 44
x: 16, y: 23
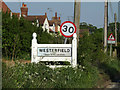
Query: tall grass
x: 39, y: 76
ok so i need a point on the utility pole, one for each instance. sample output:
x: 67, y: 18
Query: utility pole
x: 115, y: 17
x: 105, y: 25
x: 77, y: 18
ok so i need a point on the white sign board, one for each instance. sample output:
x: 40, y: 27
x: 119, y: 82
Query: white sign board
x: 54, y: 52
x: 111, y: 42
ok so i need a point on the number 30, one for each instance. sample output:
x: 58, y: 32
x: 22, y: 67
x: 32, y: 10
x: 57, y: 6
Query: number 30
x: 70, y: 29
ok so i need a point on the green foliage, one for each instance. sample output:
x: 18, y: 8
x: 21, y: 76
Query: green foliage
x: 91, y: 48
x: 16, y: 43
x: 111, y: 29
x: 17, y: 37
x: 39, y: 76
x: 112, y: 68
x: 90, y: 51
x: 91, y: 28
x: 86, y: 48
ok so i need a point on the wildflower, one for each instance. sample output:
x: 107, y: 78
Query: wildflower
x: 36, y: 73
x: 80, y: 66
x: 26, y: 72
x: 30, y: 77
x: 44, y: 78
x: 52, y: 80
x: 57, y: 72
x: 83, y: 67
x: 32, y: 81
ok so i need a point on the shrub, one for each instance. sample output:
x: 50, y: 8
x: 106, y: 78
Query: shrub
x: 17, y: 37
x: 39, y: 76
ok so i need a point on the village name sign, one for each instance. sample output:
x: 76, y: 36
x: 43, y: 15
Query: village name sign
x: 56, y: 52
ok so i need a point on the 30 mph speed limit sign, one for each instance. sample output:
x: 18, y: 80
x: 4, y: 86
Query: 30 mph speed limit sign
x: 67, y: 29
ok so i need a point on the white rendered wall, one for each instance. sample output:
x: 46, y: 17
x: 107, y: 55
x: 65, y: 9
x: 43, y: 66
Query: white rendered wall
x: 46, y: 25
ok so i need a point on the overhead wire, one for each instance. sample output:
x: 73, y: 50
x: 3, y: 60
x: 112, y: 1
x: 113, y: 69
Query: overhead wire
x: 111, y: 17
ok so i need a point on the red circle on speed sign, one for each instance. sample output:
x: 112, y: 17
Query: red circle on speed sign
x: 67, y: 29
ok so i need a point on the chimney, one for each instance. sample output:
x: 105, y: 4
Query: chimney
x: 22, y: 4
x: 56, y: 27
x: 25, y: 5
x: 24, y: 10
x: 55, y: 14
x: 45, y: 14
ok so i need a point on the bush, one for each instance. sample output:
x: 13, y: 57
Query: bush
x: 17, y: 37
x: 39, y: 76
x: 112, y: 68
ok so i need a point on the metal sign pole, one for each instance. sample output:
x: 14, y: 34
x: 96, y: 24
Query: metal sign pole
x: 110, y: 50
x: 65, y: 41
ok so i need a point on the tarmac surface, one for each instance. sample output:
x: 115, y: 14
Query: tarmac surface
x: 114, y: 85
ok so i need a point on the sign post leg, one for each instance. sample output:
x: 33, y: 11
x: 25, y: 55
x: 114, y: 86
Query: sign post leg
x: 65, y: 41
x: 74, y: 51
x: 34, y: 48
x: 110, y: 50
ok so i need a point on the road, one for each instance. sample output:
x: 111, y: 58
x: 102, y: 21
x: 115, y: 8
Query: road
x: 113, y: 85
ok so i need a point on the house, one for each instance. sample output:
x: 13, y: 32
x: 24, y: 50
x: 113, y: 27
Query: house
x: 4, y: 8
x: 40, y: 20
x: 51, y: 26
x: 54, y: 24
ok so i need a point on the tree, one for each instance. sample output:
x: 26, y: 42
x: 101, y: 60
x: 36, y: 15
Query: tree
x: 91, y: 28
x: 17, y: 37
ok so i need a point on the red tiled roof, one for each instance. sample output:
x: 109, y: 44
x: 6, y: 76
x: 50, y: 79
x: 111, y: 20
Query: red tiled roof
x: 54, y: 21
x: 16, y: 14
x: 51, y: 22
x: 4, y: 7
x: 41, y: 18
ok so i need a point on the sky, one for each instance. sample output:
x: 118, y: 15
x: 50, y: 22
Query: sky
x: 119, y: 12
x: 90, y: 12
